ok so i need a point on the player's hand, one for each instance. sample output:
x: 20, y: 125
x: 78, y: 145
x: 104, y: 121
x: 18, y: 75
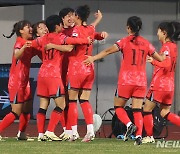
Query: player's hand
x: 89, y: 60
x: 98, y: 15
x: 90, y: 40
x: 104, y: 35
x: 48, y: 46
x: 149, y: 59
x: 28, y: 44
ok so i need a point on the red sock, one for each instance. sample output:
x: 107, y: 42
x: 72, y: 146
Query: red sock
x: 41, y: 117
x: 87, y: 111
x: 122, y: 115
x: 73, y: 113
x: 7, y: 121
x: 138, y: 121
x: 23, y: 121
x: 56, y: 116
x: 148, y: 123
x: 173, y: 118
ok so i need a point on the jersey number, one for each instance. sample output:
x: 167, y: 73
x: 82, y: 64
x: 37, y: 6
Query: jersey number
x: 134, y: 58
x: 49, y: 54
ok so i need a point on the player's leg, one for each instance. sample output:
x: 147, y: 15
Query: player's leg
x: 73, y: 112
x: 24, y: 120
x: 138, y: 118
x: 41, y: 117
x: 122, y: 94
x: 87, y: 110
x: 25, y: 115
x: 165, y: 112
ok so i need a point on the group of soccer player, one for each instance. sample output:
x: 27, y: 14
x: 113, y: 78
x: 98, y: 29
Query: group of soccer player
x: 64, y: 43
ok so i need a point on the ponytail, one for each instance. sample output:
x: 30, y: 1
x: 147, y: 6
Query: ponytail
x: 176, y: 31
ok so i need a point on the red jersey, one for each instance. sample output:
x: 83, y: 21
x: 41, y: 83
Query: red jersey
x: 133, y: 63
x: 163, y: 74
x: 19, y: 71
x: 80, y: 51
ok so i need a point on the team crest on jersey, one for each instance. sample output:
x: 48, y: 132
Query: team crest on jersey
x: 166, y: 52
x: 75, y: 35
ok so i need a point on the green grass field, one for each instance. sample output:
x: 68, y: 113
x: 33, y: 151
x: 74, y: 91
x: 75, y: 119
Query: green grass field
x: 98, y: 146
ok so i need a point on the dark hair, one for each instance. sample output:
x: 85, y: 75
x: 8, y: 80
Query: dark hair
x: 172, y: 29
x: 34, y: 27
x: 17, y: 27
x: 83, y: 12
x: 65, y: 11
x: 52, y: 21
x: 135, y: 24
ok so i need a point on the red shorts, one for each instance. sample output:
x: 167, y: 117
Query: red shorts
x: 50, y: 87
x: 20, y: 95
x: 128, y: 91
x: 162, y: 97
x: 81, y: 77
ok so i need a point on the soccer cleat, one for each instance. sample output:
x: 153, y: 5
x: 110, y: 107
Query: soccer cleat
x: 22, y: 136
x: 138, y: 141
x: 88, y: 137
x: 74, y: 137
x: 148, y: 139
x: 50, y: 136
x: 64, y: 136
x: 42, y: 138
x: 130, y: 130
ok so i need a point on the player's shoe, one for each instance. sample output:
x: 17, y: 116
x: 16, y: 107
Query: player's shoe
x: 148, y: 139
x: 130, y: 130
x: 138, y: 141
x: 42, y: 138
x: 22, y: 136
x: 50, y: 136
x: 0, y: 138
x: 64, y: 136
x: 74, y: 137
x: 88, y: 137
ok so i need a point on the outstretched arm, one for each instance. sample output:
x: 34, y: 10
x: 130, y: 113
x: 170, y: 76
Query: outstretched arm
x: 102, y: 54
x: 63, y: 48
x: 158, y: 56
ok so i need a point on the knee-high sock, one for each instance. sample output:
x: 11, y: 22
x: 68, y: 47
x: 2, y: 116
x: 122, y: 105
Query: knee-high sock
x: 138, y: 121
x: 122, y: 115
x: 87, y: 111
x: 23, y: 121
x: 148, y: 123
x: 7, y: 120
x: 73, y: 112
x: 56, y: 116
x: 173, y: 118
x: 41, y: 117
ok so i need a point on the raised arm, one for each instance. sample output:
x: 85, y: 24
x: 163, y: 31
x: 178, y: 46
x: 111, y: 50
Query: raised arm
x: 98, y: 16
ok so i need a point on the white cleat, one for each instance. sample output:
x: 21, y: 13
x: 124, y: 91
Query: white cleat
x: 88, y: 137
x: 74, y: 137
x: 148, y: 139
x: 50, y: 136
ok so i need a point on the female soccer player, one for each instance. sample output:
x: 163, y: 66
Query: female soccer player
x: 132, y: 80
x: 18, y: 85
x: 80, y: 76
x: 161, y: 89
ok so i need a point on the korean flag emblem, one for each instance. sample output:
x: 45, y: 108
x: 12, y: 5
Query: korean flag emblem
x: 75, y: 35
x: 166, y: 53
